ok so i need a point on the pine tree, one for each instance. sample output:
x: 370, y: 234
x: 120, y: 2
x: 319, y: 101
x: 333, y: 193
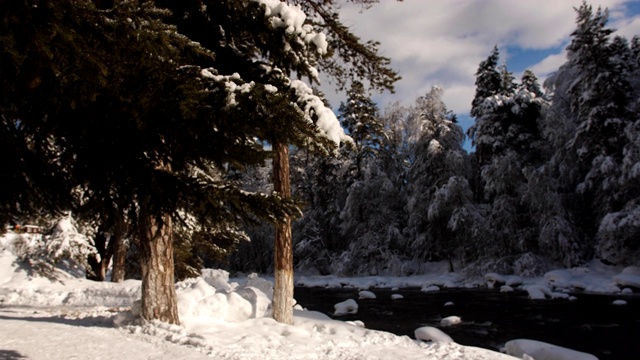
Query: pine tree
x: 508, y: 147
x: 489, y: 81
x: 264, y: 43
x: 621, y: 226
x: 360, y: 119
x: 225, y: 71
x: 137, y: 111
x: 588, y: 119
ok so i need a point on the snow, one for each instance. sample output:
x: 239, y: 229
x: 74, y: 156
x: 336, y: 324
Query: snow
x: 430, y: 288
x: 64, y: 315
x: 543, y: 351
x: 434, y: 274
x: 542, y: 292
x: 630, y: 276
x: 364, y: 294
x: 313, y: 107
x: 450, y: 321
x: 349, y: 306
x: 292, y: 19
x: 230, y: 84
x: 508, y: 280
x: 430, y: 333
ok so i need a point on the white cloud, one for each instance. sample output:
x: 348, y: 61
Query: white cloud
x: 441, y: 42
x: 550, y: 64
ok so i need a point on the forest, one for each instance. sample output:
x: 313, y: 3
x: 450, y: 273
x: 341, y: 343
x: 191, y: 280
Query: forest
x: 191, y: 135
x: 553, y: 179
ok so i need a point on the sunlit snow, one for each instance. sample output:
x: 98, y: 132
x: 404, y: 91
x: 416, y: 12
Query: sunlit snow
x: 64, y: 315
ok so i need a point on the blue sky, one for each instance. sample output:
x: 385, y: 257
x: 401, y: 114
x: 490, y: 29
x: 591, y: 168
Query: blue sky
x: 441, y: 42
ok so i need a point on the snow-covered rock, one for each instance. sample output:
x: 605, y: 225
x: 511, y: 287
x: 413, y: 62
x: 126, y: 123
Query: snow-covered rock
x: 396, y: 297
x: 346, y: 307
x: 630, y: 276
x: 543, y: 351
x: 365, y: 294
x: 538, y: 292
x: 450, y: 320
x: 429, y: 333
x: 494, y: 279
x: 430, y: 288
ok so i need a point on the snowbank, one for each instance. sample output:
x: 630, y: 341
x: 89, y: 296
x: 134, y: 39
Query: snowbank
x: 543, y: 351
x: 594, y: 277
x: 70, y: 316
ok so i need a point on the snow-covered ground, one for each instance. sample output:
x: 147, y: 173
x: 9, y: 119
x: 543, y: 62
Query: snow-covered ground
x: 65, y: 316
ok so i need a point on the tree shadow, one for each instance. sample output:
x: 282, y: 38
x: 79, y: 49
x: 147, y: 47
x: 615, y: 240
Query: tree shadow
x: 10, y: 355
x: 96, y: 321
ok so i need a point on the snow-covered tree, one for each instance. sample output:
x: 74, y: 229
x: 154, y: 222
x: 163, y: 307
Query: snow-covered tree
x: 508, y: 147
x: 161, y: 78
x: 437, y: 177
x: 617, y: 233
x: 359, y: 117
x: 489, y: 81
x: 588, y: 124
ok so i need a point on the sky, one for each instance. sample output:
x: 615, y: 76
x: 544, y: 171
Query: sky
x: 442, y: 42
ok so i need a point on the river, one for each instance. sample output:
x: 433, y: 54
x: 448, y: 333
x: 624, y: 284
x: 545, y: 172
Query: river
x: 590, y: 324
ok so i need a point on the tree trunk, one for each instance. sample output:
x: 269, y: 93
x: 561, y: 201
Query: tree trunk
x: 159, y: 301
x: 282, y: 304
x: 98, y: 267
x: 118, y: 250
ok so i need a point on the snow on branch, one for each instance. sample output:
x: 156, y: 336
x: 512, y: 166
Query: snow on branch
x: 292, y: 18
x: 313, y: 107
x: 232, y: 84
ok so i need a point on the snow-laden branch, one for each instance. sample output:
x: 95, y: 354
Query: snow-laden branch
x: 313, y: 106
x: 292, y: 18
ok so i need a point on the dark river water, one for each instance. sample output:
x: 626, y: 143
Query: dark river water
x: 490, y: 318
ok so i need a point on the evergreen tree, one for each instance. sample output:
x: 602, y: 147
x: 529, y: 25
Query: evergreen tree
x: 437, y: 178
x: 588, y: 120
x: 360, y: 119
x: 323, y: 189
x: 508, y: 147
x: 619, y: 229
x: 489, y: 81
x: 138, y: 110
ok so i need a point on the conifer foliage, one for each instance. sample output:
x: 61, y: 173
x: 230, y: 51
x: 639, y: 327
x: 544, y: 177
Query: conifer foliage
x: 165, y: 97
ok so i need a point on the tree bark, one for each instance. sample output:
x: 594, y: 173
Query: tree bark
x: 98, y: 271
x: 282, y: 303
x: 118, y: 250
x: 159, y: 301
